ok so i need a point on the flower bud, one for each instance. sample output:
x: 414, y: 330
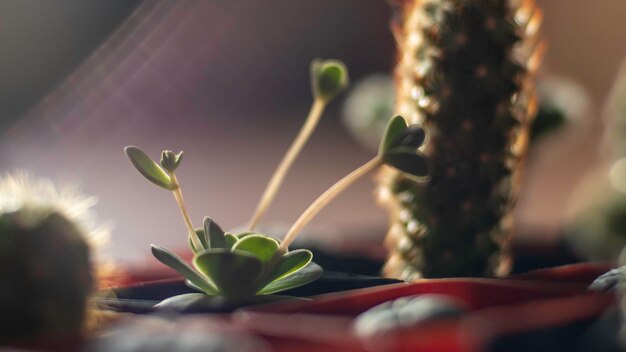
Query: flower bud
x: 171, y: 161
x: 328, y: 79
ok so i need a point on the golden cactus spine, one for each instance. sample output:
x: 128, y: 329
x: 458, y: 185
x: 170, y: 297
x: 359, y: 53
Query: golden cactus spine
x: 465, y: 73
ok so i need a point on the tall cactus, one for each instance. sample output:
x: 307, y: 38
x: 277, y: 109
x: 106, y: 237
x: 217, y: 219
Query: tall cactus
x: 465, y: 74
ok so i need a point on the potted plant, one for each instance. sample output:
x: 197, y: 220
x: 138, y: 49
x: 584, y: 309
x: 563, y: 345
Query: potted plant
x: 235, y: 269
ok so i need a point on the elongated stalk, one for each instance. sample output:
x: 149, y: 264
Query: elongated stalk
x: 178, y: 195
x: 281, y: 171
x: 326, y: 198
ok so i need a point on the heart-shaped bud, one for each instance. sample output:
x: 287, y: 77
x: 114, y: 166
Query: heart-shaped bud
x: 395, y: 128
x: 328, y: 79
x: 398, y: 147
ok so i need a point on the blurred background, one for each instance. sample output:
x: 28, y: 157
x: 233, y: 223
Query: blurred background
x: 227, y: 81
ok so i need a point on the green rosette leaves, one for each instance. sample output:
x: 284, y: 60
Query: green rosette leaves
x: 241, y: 266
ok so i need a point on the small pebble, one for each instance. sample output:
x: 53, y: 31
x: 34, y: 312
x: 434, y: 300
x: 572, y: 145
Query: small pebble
x: 406, y: 312
x: 609, y: 280
x: 182, y: 334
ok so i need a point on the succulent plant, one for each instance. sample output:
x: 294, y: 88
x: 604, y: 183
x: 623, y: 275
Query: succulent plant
x: 237, y: 266
x: 243, y: 265
x: 465, y: 74
x: 246, y: 264
x: 252, y: 264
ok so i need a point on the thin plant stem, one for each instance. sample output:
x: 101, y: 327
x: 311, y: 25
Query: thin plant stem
x: 317, y: 108
x: 322, y: 201
x: 178, y: 195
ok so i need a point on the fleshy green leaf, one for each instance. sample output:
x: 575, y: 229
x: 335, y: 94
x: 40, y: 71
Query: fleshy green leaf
x: 290, y: 263
x: 191, y: 284
x: 149, y: 168
x: 203, y: 240
x: 193, y: 246
x: 407, y: 160
x: 173, y: 261
x: 215, y: 234
x: 328, y: 78
x: 233, y: 273
x: 245, y: 233
x: 261, y: 246
x: 230, y: 240
x: 308, y: 274
x: 200, y: 303
x: 395, y: 127
x: 185, y: 302
x: 248, y: 233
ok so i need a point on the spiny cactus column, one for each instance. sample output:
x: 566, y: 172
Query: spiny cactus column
x: 465, y: 74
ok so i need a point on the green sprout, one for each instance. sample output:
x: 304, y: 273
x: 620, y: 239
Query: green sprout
x: 328, y: 79
x: 237, y: 266
x: 398, y: 149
